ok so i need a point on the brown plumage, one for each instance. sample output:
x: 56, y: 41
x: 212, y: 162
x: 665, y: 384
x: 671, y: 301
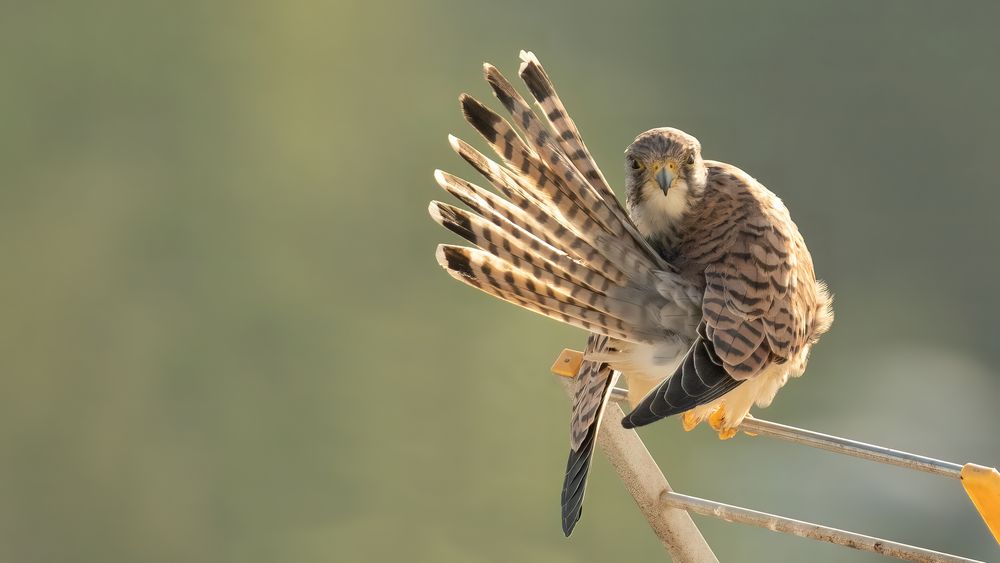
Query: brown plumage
x: 703, y: 292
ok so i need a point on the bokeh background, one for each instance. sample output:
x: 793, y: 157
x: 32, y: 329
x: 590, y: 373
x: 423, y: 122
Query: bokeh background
x: 225, y: 337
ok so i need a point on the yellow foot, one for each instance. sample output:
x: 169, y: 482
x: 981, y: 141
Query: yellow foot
x: 718, y: 422
x: 690, y: 420
x: 717, y: 418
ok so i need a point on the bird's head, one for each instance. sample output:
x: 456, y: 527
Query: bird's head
x: 664, y: 169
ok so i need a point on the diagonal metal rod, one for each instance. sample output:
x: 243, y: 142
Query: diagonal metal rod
x: 775, y: 523
x: 840, y: 445
x: 645, y: 482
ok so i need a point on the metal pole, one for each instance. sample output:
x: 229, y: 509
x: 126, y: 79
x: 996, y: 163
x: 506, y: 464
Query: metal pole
x: 982, y: 484
x: 802, y: 529
x: 851, y: 447
x: 645, y: 482
x: 841, y: 445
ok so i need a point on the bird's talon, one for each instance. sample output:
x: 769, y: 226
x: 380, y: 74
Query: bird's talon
x: 727, y: 433
x: 690, y: 420
x: 718, y: 418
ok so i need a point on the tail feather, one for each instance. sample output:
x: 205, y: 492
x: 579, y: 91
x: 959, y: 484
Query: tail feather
x: 502, y: 179
x: 518, y: 107
x: 568, y: 136
x: 571, y: 142
x: 550, y: 177
x: 539, y: 215
x: 482, y: 271
x: 580, y: 456
x: 545, y: 265
x: 553, y: 180
x: 516, y: 231
x: 482, y: 201
x: 541, y: 140
x: 562, y: 242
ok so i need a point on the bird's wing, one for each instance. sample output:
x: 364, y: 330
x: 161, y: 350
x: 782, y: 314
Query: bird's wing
x: 556, y: 241
x: 759, y: 305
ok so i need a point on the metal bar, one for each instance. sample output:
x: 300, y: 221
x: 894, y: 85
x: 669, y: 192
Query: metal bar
x: 840, y: 445
x: 802, y: 529
x: 644, y: 481
x: 852, y: 448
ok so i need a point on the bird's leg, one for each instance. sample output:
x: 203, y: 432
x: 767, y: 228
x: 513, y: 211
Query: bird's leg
x: 695, y: 416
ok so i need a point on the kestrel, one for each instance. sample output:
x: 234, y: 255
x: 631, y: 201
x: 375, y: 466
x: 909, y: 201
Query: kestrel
x: 702, y: 294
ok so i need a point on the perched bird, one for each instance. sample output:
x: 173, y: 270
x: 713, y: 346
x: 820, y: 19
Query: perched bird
x: 702, y: 295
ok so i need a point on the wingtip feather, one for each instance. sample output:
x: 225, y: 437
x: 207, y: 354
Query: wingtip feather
x: 455, y: 259
x: 502, y: 88
x: 535, y: 79
x: 439, y: 252
x: 480, y: 117
x: 435, y: 212
x: 440, y: 177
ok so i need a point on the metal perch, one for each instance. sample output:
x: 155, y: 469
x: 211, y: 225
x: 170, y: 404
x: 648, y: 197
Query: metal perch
x: 663, y: 507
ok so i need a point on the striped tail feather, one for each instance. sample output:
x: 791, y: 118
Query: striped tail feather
x: 549, y: 290
x: 476, y: 268
x: 582, y: 454
x: 542, y: 219
x: 569, y: 139
x: 523, y: 230
x: 573, y: 202
x: 591, y: 392
x: 544, y: 264
x: 579, y: 206
x: 549, y: 238
x: 528, y: 158
x: 485, y: 203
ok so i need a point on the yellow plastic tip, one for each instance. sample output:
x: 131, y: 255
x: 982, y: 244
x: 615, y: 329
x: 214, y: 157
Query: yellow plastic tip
x: 982, y: 484
x: 568, y: 363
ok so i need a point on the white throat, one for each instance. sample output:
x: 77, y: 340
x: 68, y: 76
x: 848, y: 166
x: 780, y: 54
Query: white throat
x: 658, y: 213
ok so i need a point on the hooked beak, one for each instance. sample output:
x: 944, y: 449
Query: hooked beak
x: 664, y: 178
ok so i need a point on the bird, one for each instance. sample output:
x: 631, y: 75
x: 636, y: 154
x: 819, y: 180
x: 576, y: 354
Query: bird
x: 700, y: 292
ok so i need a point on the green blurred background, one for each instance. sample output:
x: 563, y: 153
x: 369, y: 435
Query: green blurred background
x: 225, y: 337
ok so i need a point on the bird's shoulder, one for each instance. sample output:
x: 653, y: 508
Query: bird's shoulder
x: 726, y: 181
x: 736, y: 207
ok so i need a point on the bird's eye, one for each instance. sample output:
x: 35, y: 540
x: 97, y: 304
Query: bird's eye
x: 690, y: 159
x: 634, y: 164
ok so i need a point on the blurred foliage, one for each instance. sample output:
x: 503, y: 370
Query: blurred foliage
x: 225, y: 337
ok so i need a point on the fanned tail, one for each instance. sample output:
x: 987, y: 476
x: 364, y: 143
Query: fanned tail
x: 551, y: 240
